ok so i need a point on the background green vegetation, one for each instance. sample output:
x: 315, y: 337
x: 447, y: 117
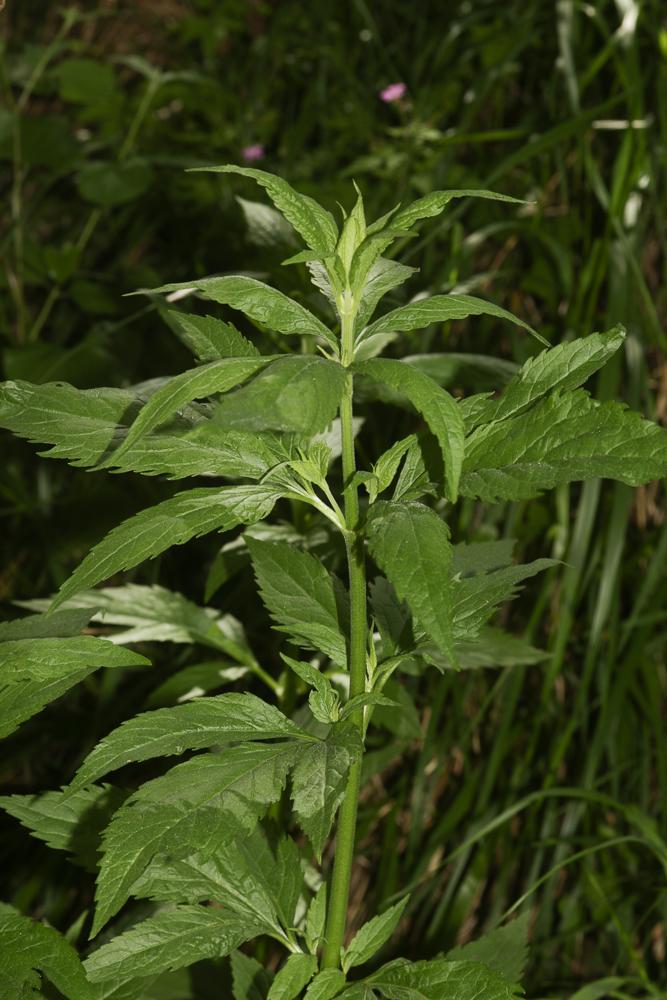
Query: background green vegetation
x: 548, y: 781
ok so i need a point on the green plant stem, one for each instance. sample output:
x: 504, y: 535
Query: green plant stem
x: 339, y: 887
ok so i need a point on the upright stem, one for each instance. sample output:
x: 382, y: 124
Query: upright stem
x: 339, y: 888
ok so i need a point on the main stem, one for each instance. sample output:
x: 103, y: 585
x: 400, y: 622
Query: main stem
x: 339, y: 888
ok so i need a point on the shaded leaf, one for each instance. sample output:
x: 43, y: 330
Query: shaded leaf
x: 28, y: 948
x: 373, y: 935
x: 295, y: 974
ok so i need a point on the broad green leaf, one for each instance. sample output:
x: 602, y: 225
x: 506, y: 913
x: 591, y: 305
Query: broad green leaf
x: 410, y: 544
x: 560, y: 368
x: 475, y: 599
x: 440, y: 309
x: 437, y: 407
x: 250, y: 980
x: 214, y: 377
x: 172, y: 522
x: 196, y: 725
x: 384, y: 275
x: 319, y: 779
x: 208, y: 338
x: 301, y: 597
x: 312, y: 222
x: 440, y: 979
x: 170, y: 940
x: 59, y: 625
x: 68, y: 822
x: 28, y: 948
x: 561, y: 439
x: 373, y: 935
x: 299, y: 393
x: 505, y: 950
x: 260, y: 302
x: 435, y: 202
x: 198, y: 805
x: 295, y: 974
x: 326, y: 985
x: 48, y: 659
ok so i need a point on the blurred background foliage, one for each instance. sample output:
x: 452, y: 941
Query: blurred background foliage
x: 543, y: 785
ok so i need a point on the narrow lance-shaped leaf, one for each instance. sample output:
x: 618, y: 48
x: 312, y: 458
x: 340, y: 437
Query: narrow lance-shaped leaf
x: 250, y: 980
x: 410, y: 544
x: 172, y: 522
x: 206, y: 722
x: 260, y: 302
x: 295, y: 974
x: 439, y: 409
x: 373, y: 935
x: 435, y: 202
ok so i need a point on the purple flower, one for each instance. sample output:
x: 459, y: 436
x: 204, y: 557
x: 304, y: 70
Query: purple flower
x: 394, y: 92
x: 253, y: 153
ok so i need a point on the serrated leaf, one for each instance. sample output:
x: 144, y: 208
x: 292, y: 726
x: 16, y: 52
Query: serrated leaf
x: 481, y: 557
x: 301, y: 597
x: 564, y: 437
x: 250, y: 980
x: 67, y: 822
x: 373, y: 935
x: 209, y: 338
x: 295, y: 974
x: 324, y: 699
x: 388, y: 463
x: 316, y: 918
x: 59, y: 625
x: 25, y: 698
x: 440, y: 309
x: 440, y: 979
x: 435, y: 202
x: 172, y: 522
x: 437, y: 407
x: 259, y: 302
x: 410, y: 544
x: 29, y: 947
x: 326, y: 985
x: 48, y: 659
x: 505, y: 950
x: 298, y: 393
x: 384, y: 275
x: 319, y: 779
x: 476, y: 598
x: 196, y: 725
x: 313, y: 223
x: 170, y: 940
x: 200, y: 804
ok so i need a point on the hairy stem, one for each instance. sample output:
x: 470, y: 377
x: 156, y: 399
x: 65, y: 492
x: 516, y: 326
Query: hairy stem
x: 339, y: 888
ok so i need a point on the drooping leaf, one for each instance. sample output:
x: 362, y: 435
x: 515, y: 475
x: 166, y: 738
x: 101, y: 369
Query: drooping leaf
x: 250, y: 980
x: 440, y: 979
x: 196, y: 725
x: 170, y: 940
x: 438, y: 408
x: 319, y: 778
x: 21, y: 700
x: 410, y: 544
x: 435, y: 202
x: 172, y: 522
x: 373, y: 935
x: 197, y: 805
x: 28, y: 948
x: 298, y: 393
x: 259, y: 302
x: 59, y: 625
x: 295, y: 974
x: 505, y: 950
x: 440, y: 309
x: 209, y: 338
x: 301, y: 597
x: 563, y: 438
x: 313, y: 223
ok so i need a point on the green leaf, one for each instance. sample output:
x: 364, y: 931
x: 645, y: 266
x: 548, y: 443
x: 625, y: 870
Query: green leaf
x: 440, y: 309
x: 476, y: 598
x: 560, y: 368
x: 563, y: 438
x: 316, y: 918
x: 373, y: 935
x: 259, y: 302
x: 326, y: 985
x: 481, y: 557
x: 299, y: 393
x: 301, y: 597
x: 170, y: 940
x: 196, y: 725
x: 410, y: 544
x: 319, y: 779
x: 505, y: 950
x: 312, y: 222
x: 295, y: 974
x: 214, y: 377
x: 23, y: 699
x: 324, y: 700
x: 59, y: 625
x: 47, y: 659
x: 109, y: 183
x: 384, y: 275
x: 209, y: 338
x: 28, y: 948
x: 267, y: 228
x: 441, y: 980
x: 437, y: 407
x: 198, y: 805
x: 172, y: 522
x: 494, y: 648
x: 435, y: 202
x: 65, y: 821
x: 250, y: 980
